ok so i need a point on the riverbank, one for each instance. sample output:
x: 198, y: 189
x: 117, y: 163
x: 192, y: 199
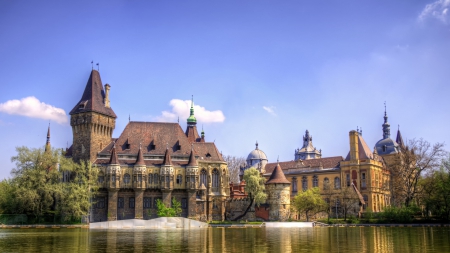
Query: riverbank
x: 44, y: 226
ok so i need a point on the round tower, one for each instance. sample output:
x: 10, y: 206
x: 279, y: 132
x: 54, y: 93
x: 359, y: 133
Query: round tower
x: 279, y: 200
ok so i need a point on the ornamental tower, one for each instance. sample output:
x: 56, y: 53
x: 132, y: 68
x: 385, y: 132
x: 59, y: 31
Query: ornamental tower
x: 191, y: 129
x: 92, y: 120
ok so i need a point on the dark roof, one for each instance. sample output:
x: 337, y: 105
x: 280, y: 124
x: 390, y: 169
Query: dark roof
x: 399, y: 139
x: 93, y: 97
x: 167, y: 159
x: 113, y: 159
x: 192, y: 160
x: 277, y: 176
x: 140, y: 158
x: 192, y: 134
x: 327, y: 162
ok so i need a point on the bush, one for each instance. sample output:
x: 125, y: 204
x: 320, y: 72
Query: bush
x: 399, y: 214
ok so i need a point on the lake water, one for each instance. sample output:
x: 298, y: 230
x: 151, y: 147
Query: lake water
x: 334, y: 239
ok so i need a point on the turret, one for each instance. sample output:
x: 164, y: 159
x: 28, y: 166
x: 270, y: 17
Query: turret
x: 191, y: 129
x: 47, y: 144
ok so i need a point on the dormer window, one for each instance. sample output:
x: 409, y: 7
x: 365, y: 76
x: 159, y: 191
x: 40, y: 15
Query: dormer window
x: 384, y: 148
x: 152, y: 147
x: 82, y: 105
x: 208, y: 155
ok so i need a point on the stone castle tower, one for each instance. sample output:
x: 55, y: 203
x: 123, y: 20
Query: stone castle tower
x: 92, y: 120
x: 279, y: 197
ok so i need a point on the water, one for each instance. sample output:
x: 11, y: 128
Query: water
x: 336, y: 239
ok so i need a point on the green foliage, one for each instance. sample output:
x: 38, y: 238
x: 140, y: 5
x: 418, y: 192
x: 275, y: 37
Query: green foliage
x: 309, y: 202
x: 399, y: 214
x: 36, y: 187
x: 163, y: 211
x: 255, y: 186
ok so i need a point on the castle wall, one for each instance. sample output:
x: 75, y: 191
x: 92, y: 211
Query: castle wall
x: 279, y: 201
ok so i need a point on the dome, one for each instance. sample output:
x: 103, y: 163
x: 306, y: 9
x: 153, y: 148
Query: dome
x: 257, y: 154
x: 386, y: 146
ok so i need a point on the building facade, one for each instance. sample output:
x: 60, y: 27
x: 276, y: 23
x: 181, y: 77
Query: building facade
x: 149, y: 161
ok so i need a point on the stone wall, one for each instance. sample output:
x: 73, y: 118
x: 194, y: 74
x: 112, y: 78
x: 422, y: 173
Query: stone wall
x: 279, y: 201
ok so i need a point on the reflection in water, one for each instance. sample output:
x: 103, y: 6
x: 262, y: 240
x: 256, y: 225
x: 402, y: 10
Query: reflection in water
x: 356, y: 239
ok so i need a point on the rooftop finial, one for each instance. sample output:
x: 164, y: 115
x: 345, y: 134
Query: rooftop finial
x: 278, y: 159
x: 192, y: 120
x: 98, y: 67
x: 386, y: 126
x: 256, y: 144
x: 92, y: 63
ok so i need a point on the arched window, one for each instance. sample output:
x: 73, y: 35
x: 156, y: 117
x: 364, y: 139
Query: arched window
x: 203, y: 178
x: 150, y: 178
x: 294, y: 184
x: 315, y: 181
x: 215, y: 178
x: 101, y: 177
x: 304, y: 184
x: 179, y: 179
x: 337, y: 183
x: 126, y: 178
x: 326, y: 183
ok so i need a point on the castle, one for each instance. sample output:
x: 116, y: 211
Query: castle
x: 149, y: 161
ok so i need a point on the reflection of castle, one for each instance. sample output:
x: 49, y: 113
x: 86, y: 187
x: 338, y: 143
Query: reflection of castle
x: 363, y: 170
x: 149, y: 161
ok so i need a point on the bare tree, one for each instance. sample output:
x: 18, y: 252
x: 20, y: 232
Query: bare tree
x: 234, y: 164
x: 348, y: 200
x: 416, y: 159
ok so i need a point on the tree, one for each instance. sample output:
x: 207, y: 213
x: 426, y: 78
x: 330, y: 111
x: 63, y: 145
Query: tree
x: 309, y: 202
x: 348, y: 200
x: 329, y: 193
x: 164, y: 211
x: 416, y: 159
x: 234, y: 165
x: 254, y: 187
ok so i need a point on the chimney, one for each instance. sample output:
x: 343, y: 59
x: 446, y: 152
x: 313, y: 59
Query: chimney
x: 107, y: 88
x: 354, y: 153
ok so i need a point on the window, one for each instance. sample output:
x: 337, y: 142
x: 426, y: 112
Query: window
x: 139, y: 178
x: 147, y: 202
x: 384, y: 148
x: 184, y: 203
x: 167, y: 179
x: 179, y: 179
x: 363, y: 180
x: 304, y: 184
x: 326, y: 183
x: 366, y: 199
x: 337, y: 183
x: 315, y: 181
x: 347, y: 179
x: 120, y: 202
x: 150, y: 178
x: 203, y: 177
x: 294, y: 184
x: 113, y: 178
x: 126, y: 178
x: 215, y: 178
x: 101, y: 179
x: 100, y: 203
x: 131, y: 202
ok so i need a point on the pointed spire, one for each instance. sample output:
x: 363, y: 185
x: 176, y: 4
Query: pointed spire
x: 47, y: 144
x: 386, y: 126
x: 399, y: 138
x: 192, y: 120
x: 192, y: 160
x: 114, y: 160
x: 203, y: 136
x: 167, y: 159
x: 140, y: 157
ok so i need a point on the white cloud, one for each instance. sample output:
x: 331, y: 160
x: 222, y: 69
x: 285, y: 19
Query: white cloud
x: 181, y: 109
x: 270, y: 110
x: 33, y: 108
x: 438, y: 10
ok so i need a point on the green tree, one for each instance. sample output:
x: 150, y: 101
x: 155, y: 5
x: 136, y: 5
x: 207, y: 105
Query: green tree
x: 309, y: 202
x: 254, y: 187
x: 163, y: 211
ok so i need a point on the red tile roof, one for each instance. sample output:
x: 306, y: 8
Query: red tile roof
x: 113, y: 159
x: 192, y: 160
x: 326, y: 163
x: 167, y: 161
x: 140, y: 158
x: 277, y: 176
x: 93, y: 97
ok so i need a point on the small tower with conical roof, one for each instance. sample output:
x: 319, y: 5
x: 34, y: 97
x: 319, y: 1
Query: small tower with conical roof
x: 279, y: 200
x: 192, y: 179
x: 113, y: 173
x: 48, y: 147
x: 139, y: 183
x: 167, y: 177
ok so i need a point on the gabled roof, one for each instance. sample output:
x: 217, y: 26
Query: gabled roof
x: 277, y: 176
x: 140, y: 158
x: 363, y: 150
x: 93, y: 97
x: 192, y: 160
x: 192, y: 134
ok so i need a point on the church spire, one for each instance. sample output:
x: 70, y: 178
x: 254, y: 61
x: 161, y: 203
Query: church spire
x: 192, y: 120
x: 386, y: 126
x: 399, y: 138
x: 47, y: 144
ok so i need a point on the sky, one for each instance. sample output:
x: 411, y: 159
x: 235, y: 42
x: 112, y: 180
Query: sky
x: 258, y: 70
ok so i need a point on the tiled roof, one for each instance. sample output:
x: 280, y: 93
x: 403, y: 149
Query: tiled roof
x: 167, y: 161
x: 192, y: 160
x: 113, y: 159
x: 93, y: 97
x: 326, y: 163
x: 192, y: 134
x: 277, y: 176
x: 155, y: 137
x: 140, y: 158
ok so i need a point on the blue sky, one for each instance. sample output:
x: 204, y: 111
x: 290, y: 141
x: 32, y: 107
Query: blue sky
x: 261, y: 70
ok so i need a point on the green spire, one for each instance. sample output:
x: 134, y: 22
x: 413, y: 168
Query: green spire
x: 192, y: 120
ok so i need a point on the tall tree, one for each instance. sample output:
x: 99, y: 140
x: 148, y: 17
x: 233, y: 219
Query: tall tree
x: 254, y: 187
x: 348, y: 200
x: 417, y: 158
x: 234, y: 165
x: 309, y: 202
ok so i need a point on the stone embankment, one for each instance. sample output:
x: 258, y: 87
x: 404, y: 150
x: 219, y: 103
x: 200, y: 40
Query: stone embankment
x: 44, y: 226
x: 320, y: 224
x: 158, y: 223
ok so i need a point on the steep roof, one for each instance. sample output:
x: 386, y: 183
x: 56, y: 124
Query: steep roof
x: 192, y: 160
x: 399, y: 139
x: 363, y: 150
x: 192, y: 134
x: 277, y: 176
x: 113, y: 159
x: 93, y: 97
x: 326, y: 163
x: 140, y: 158
x: 167, y: 160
